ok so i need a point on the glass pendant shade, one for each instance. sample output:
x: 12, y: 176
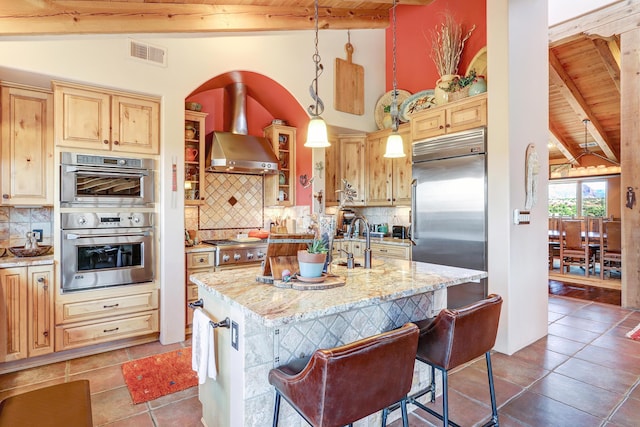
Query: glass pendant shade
x: 395, y: 147
x: 317, y: 133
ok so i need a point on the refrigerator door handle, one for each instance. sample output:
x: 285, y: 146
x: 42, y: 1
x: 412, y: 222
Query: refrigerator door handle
x: 414, y: 192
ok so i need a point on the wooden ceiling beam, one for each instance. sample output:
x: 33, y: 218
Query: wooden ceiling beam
x: 609, y: 59
x: 616, y: 18
x: 568, y: 89
x: 106, y: 17
x: 561, y: 145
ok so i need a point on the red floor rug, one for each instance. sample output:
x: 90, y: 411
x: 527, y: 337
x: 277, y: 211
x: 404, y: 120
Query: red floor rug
x: 634, y: 334
x: 159, y: 375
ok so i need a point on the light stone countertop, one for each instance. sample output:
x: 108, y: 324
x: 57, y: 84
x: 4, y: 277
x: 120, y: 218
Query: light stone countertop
x: 388, y: 280
x: 202, y: 247
x: 11, y: 261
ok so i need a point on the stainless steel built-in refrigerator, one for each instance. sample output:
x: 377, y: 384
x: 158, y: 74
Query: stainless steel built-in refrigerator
x: 449, y: 207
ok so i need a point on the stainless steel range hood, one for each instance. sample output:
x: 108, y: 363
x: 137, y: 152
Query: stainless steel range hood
x: 235, y: 151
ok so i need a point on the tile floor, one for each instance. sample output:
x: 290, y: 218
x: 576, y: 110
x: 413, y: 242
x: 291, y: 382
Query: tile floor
x: 584, y: 373
x: 110, y: 399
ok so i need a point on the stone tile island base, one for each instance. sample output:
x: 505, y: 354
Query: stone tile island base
x: 274, y: 326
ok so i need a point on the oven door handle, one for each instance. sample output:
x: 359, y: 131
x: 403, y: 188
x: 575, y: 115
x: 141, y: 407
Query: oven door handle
x: 105, y: 172
x: 74, y: 236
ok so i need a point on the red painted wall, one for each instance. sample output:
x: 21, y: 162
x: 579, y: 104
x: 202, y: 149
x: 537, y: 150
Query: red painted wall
x: 415, y: 69
x: 266, y: 100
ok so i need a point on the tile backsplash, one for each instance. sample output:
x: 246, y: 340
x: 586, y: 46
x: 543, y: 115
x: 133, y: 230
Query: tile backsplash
x: 235, y: 205
x: 16, y: 222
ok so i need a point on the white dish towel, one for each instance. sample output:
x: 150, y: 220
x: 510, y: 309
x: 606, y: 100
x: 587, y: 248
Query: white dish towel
x: 203, y: 351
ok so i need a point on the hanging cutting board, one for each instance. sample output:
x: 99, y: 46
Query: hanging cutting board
x: 349, y: 85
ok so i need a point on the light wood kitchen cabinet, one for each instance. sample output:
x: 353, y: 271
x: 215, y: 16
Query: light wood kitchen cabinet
x: 332, y: 180
x: 84, y: 334
x: 352, y: 166
x: 94, y: 118
x: 390, y: 251
x: 388, y: 180
x: 202, y: 261
x: 27, y: 145
x: 355, y: 247
x: 27, y: 297
x: 468, y: 113
x: 88, y: 318
x: 194, y: 158
x: 281, y: 188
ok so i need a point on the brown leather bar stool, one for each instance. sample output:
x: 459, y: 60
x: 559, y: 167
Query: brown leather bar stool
x: 338, y: 386
x: 455, y: 337
x: 60, y: 405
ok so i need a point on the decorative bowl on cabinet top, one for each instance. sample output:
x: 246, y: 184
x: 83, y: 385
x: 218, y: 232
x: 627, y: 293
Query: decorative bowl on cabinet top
x: 21, y: 251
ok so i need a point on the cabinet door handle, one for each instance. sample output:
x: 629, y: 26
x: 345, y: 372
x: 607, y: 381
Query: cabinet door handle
x: 115, y: 143
x: 384, y: 250
x: 6, y: 196
x: 105, y: 142
x: 111, y: 306
x: 45, y: 334
x: 40, y: 279
x: 440, y: 127
x: 110, y: 330
x: 447, y: 125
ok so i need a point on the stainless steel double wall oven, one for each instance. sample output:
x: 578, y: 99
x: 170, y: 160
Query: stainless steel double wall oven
x: 104, y: 241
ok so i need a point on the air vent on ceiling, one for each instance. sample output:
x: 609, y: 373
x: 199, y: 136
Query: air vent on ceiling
x: 147, y: 53
x: 588, y: 144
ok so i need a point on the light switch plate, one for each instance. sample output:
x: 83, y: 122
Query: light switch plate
x: 234, y: 335
x: 521, y: 217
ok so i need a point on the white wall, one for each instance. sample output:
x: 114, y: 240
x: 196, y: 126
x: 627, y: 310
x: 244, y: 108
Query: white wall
x: 518, y: 116
x: 192, y: 60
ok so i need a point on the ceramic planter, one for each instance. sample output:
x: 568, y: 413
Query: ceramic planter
x: 311, y: 265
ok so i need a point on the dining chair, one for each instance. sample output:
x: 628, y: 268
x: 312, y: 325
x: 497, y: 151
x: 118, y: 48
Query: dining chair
x: 338, y: 386
x: 455, y: 337
x: 611, y: 247
x: 575, y: 249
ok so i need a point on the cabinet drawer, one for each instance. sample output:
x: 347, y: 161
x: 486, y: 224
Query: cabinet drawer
x: 68, y: 337
x: 201, y: 259
x: 192, y: 293
x: 95, y: 309
x: 390, y: 251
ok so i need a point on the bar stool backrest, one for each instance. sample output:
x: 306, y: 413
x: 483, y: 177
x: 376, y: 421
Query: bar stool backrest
x: 459, y: 336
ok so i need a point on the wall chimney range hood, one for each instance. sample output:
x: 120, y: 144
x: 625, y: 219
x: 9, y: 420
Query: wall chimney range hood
x: 235, y: 151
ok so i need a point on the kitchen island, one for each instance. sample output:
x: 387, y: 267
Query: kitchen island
x: 272, y: 325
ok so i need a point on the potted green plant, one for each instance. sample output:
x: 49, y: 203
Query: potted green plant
x: 311, y: 261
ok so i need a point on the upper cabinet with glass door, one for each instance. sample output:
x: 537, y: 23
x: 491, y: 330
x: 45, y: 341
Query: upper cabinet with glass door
x: 283, y: 140
x: 194, y: 157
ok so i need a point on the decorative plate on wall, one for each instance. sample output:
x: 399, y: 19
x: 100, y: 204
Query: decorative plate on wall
x: 385, y: 100
x: 479, y: 63
x: 416, y: 102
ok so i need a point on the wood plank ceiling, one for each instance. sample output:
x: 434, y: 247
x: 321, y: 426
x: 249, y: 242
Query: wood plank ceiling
x: 584, y: 71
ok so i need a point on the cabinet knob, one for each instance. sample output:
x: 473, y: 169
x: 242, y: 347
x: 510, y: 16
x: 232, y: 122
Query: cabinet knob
x: 115, y: 143
x: 6, y: 196
x: 105, y: 142
x: 440, y: 127
x: 447, y: 125
x: 40, y: 279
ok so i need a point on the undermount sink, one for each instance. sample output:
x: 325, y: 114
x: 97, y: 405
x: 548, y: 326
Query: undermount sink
x: 20, y: 251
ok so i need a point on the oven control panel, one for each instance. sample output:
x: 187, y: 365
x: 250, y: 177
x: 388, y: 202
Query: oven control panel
x: 82, y: 220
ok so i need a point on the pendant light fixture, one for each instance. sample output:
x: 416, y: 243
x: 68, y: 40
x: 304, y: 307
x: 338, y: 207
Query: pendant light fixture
x: 395, y: 146
x: 317, y: 128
